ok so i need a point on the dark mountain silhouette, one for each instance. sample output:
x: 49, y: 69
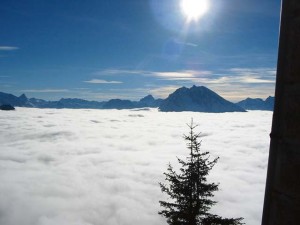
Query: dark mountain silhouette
x: 270, y: 103
x: 257, y: 103
x: 119, y: 104
x: 199, y: 99
x: 6, y: 107
x: 149, y: 101
x: 9, y: 99
x: 40, y: 103
x: 76, y: 103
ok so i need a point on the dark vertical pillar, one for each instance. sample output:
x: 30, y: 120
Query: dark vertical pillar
x: 282, y: 196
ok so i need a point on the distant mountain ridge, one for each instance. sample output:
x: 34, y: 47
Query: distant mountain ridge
x: 200, y: 99
x: 257, y: 104
x: 9, y: 99
x: 147, y: 101
x: 76, y: 103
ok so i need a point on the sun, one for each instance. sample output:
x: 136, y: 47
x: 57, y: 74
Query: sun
x: 194, y: 9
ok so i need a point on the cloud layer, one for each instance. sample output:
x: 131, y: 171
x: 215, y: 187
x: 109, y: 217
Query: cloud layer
x: 98, y: 81
x: 103, y: 166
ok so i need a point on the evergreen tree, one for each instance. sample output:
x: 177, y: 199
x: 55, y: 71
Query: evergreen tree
x: 189, y: 189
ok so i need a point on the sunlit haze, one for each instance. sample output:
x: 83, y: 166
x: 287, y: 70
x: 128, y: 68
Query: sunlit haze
x: 194, y: 9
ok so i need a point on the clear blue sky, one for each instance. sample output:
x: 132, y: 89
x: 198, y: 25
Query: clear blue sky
x: 103, y: 49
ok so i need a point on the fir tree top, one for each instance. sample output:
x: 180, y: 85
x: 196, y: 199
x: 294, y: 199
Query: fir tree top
x: 189, y: 190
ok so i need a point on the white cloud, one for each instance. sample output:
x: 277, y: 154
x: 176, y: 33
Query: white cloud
x: 163, y: 92
x: 249, y: 79
x: 82, y: 89
x: 190, y: 44
x: 181, y: 75
x: 237, y: 75
x: 115, y: 71
x: 259, y: 70
x: 174, y: 74
x: 8, y: 48
x: 242, y: 76
x: 64, y: 166
x: 98, y: 81
x: 256, y: 80
x: 261, y: 73
x: 166, y: 75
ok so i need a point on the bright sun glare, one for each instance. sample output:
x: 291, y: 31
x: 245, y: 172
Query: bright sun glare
x: 194, y: 9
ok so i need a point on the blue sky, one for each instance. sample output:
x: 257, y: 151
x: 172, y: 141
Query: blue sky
x: 99, y: 50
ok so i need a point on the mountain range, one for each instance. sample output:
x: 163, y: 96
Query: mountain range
x: 196, y: 98
x: 257, y: 103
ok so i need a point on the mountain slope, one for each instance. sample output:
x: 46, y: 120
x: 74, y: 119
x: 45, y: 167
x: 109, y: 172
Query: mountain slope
x: 199, y: 99
x: 149, y: 101
x: 257, y: 104
x: 9, y: 99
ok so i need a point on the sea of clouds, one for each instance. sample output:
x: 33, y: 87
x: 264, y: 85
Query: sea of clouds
x: 102, y: 167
